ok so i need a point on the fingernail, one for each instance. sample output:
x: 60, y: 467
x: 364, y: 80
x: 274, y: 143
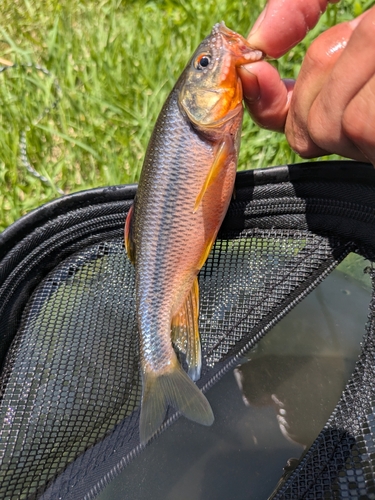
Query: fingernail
x: 258, y: 22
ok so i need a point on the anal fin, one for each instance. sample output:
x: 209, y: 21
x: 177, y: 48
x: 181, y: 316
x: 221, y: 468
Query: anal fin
x: 185, y: 332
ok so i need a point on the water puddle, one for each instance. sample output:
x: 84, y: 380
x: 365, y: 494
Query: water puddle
x: 268, y: 410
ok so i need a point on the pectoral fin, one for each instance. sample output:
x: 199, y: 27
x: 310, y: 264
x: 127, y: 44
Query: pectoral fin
x: 128, y: 233
x: 225, y: 148
x: 185, y: 333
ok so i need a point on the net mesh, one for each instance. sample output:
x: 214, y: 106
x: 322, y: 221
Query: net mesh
x: 70, y: 385
x: 72, y: 371
x: 341, y: 462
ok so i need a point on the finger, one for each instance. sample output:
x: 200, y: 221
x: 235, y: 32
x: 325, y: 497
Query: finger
x: 284, y: 23
x: 266, y: 96
x: 359, y: 120
x: 315, y: 70
x: 354, y: 69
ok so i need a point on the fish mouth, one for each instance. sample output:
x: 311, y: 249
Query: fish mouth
x: 240, y: 49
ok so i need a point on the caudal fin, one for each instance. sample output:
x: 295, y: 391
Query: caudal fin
x: 176, y: 389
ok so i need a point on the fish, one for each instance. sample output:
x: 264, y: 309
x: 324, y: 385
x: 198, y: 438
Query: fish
x: 185, y: 187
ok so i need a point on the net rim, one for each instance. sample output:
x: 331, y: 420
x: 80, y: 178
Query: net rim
x: 334, y: 170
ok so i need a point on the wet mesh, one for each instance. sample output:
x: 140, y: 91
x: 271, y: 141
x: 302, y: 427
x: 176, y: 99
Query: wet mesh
x: 341, y: 462
x: 70, y: 385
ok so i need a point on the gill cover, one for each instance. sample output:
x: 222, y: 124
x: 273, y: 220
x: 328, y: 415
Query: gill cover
x: 211, y: 90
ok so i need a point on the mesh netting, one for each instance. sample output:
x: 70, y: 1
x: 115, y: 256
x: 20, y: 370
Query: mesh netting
x: 341, y: 462
x: 70, y: 385
x: 72, y: 371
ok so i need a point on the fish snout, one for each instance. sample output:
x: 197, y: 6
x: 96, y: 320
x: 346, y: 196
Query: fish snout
x: 239, y: 48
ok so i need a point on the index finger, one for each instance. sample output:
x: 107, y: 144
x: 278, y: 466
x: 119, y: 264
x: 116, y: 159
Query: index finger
x: 284, y: 23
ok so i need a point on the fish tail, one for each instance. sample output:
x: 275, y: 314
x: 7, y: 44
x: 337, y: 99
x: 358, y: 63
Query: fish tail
x: 172, y: 388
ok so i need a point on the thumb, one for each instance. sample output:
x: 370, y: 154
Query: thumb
x: 284, y: 23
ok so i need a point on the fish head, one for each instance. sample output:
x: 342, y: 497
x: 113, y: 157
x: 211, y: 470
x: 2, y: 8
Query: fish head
x: 210, y: 88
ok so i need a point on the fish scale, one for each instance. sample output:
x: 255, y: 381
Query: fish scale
x: 184, y: 191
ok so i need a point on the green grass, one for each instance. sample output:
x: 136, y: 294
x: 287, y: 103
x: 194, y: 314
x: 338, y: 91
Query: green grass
x: 115, y: 62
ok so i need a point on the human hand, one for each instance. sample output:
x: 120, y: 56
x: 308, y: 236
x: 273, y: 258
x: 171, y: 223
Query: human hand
x: 331, y: 106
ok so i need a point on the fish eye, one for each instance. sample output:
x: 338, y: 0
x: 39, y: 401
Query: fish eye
x: 202, y: 61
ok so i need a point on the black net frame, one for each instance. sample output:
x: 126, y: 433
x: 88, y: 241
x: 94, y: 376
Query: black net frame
x: 69, y: 420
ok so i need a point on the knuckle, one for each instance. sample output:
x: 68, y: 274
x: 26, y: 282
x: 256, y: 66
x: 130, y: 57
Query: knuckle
x: 358, y: 126
x: 322, y: 126
x: 353, y: 126
x: 318, y: 132
x: 298, y: 141
x: 317, y: 54
x: 327, y: 47
x: 302, y: 141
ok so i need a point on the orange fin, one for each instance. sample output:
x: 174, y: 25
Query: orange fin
x: 221, y: 154
x: 185, y: 332
x: 171, y: 388
x: 206, y: 252
x: 128, y: 233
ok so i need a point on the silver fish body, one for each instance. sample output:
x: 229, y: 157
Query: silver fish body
x: 184, y: 191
